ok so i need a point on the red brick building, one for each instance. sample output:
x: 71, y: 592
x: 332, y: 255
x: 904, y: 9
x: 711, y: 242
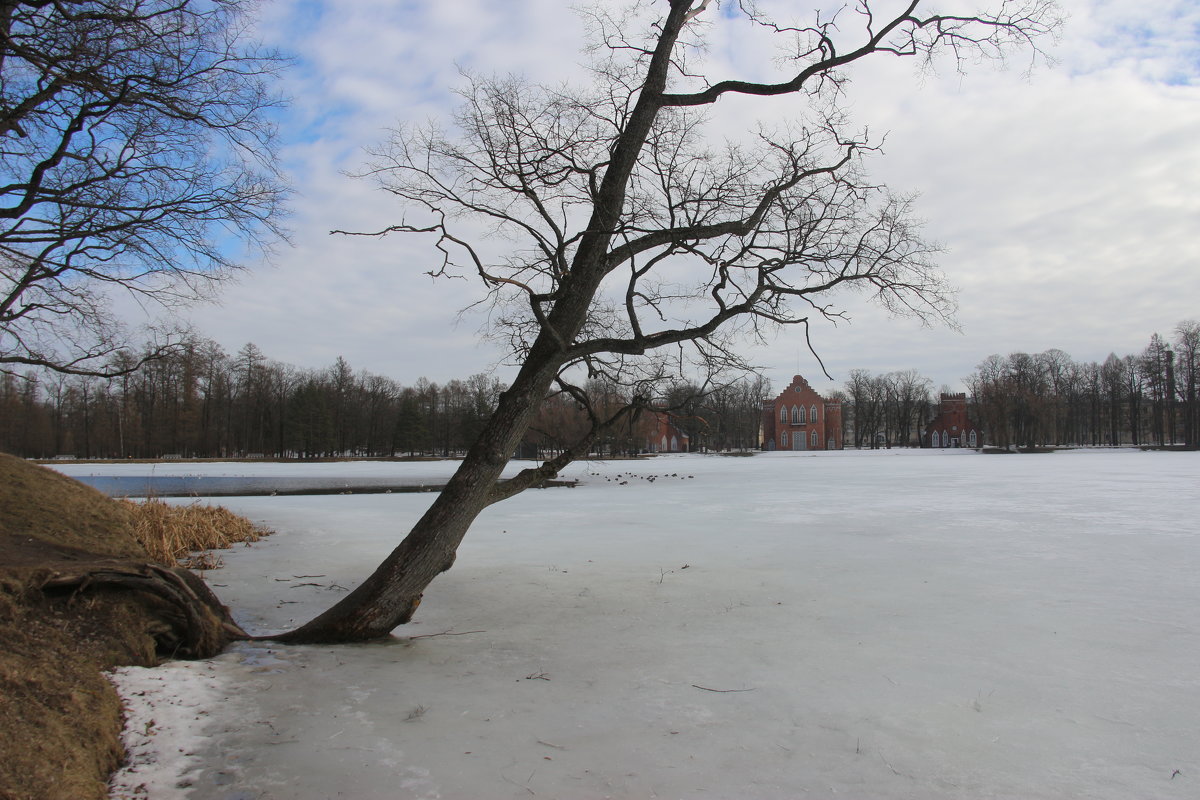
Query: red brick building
x: 661, y: 434
x: 801, y: 419
x: 952, y: 427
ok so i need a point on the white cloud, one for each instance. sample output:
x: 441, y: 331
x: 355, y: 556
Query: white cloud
x: 1068, y: 201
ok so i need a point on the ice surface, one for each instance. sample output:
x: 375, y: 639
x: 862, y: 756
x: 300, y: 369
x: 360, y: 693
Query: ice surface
x: 411, y: 472
x: 895, y: 624
x: 167, y: 710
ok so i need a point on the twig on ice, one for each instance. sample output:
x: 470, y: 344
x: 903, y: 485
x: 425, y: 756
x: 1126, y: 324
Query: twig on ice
x: 443, y: 633
x: 520, y: 785
x: 889, y: 765
x: 722, y: 691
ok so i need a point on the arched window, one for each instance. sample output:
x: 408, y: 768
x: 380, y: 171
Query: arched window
x: 973, y: 440
x: 802, y: 419
x: 934, y: 439
x: 783, y: 415
x: 796, y: 414
x: 814, y: 440
x: 783, y: 441
x: 812, y: 414
x: 674, y: 444
x: 663, y: 447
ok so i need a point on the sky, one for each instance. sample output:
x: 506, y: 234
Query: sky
x: 1066, y: 197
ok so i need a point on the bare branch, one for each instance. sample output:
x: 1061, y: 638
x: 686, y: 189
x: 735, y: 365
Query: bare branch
x: 135, y: 154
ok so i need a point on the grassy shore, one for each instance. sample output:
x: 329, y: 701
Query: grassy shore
x: 60, y: 719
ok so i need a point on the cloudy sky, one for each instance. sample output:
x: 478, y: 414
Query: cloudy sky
x: 1068, y: 200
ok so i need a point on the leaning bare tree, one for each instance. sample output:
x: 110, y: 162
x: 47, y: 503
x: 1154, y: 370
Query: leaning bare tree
x: 135, y: 157
x: 632, y: 237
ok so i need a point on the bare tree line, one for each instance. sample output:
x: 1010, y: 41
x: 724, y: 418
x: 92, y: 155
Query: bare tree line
x: 886, y: 410
x: 1147, y: 398
x: 1045, y: 399
x: 200, y: 402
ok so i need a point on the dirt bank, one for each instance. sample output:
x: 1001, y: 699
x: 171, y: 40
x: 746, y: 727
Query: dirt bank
x: 60, y: 719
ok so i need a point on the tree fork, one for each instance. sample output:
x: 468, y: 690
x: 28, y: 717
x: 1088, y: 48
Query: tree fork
x: 390, y: 596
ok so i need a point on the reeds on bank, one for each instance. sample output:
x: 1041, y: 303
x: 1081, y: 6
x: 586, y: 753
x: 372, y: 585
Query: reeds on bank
x: 185, y: 535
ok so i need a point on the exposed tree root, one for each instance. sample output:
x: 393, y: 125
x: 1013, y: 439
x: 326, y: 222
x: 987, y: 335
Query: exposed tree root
x: 195, y: 624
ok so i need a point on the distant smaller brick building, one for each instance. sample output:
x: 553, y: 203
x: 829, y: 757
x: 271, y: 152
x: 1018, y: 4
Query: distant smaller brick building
x: 662, y: 434
x: 801, y: 419
x: 952, y: 427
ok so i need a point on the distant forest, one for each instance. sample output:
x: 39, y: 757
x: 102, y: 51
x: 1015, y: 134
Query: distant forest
x: 1046, y: 399
x: 200, y: 402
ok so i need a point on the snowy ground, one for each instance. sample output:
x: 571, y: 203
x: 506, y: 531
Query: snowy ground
x: 871, y: 625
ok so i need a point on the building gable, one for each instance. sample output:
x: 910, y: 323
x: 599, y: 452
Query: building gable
x: 801, y: 419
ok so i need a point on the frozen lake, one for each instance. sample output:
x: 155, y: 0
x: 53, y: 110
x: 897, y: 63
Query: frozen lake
x: 895, y: 624
x: 226, y: 479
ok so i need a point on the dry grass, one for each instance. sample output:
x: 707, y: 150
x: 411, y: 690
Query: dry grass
x: 184, y: 535
x: 39, y: 503
x: 60, y: 720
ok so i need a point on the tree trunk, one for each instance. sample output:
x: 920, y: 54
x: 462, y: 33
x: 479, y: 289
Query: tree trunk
x: 390, y: 596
